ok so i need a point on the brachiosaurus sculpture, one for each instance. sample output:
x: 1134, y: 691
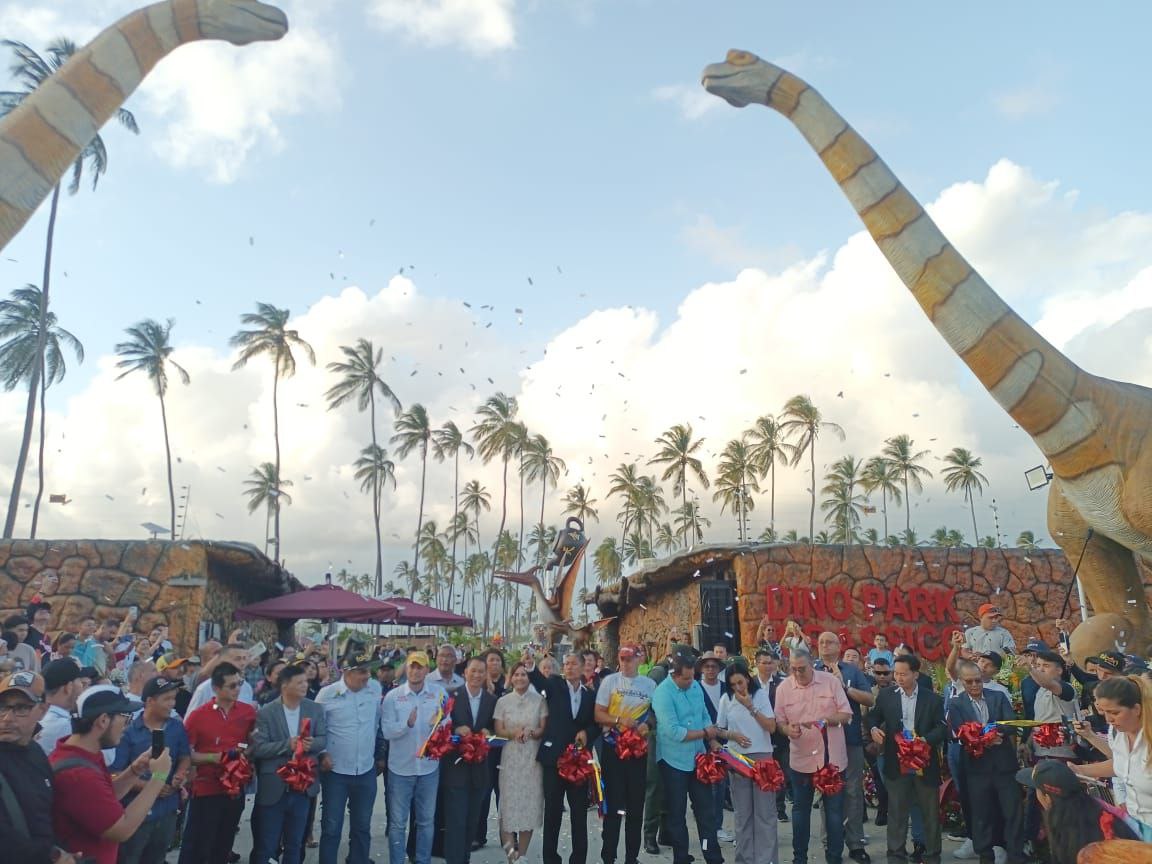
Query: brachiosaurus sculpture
x: 42, y: 137
x: 1094, y: 432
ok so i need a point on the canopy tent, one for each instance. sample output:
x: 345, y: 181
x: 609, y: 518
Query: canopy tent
x: 320, y: 602
x: 409, y: 613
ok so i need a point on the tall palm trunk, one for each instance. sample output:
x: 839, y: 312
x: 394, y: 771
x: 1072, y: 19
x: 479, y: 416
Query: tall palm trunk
x: 376, y: 498
x: 40, y: 456
x: 33, y: 384
x: 772, y: 500
x: 420, y: 515
x: 455, y: 532
x: 884, y: 510
x: 907, y: 506
x: 684, y: 502
x: 168, y: 458
x: 520, y: 538
x: 276, y: 440
x: 812, y: 509
x: 496, y: 547
x: 972, y: 508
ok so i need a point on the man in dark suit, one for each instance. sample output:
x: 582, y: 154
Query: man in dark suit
x: 571, y: 720
x: 990, y: 779
x: 465, y: 785
x: 280, y: 811
x: 910, y: 706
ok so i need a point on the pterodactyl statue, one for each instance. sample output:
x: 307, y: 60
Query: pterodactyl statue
x: 555, y: 611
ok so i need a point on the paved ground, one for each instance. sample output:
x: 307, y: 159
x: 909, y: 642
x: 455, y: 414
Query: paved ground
x: 493, y: 854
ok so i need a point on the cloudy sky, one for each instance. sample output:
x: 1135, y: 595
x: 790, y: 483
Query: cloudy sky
x: 650, y: 255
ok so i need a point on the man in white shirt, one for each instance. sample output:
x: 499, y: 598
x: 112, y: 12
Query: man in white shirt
x: 445, y: 672
x: 348, y: 767
x: 237, y: 655
x: 62, y: 686
x: 407, y: 718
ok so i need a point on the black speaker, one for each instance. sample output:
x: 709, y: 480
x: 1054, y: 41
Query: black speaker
x: 718, y: 616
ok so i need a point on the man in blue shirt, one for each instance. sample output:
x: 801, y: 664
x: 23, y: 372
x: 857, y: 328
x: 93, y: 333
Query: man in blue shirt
x: 683, y: 730
x: 149, y: 845
x: 859, y: 692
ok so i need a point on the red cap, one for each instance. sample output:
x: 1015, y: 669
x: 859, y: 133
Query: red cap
x: 989, y: 607
x: 629, y: 650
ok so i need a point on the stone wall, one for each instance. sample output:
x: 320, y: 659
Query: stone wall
x: 650, y: 621
x: 177, y: 584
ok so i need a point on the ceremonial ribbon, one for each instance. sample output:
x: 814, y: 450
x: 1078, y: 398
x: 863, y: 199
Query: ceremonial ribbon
x: 575, y: 765
x: 235, y: 772
x: 299, y: 772
x: 438, y: 741
x: 975, y: 738
x: 829, y: 780
x: 709, y: 768
x: 912, y: 752
x: 765, y: 773
x: 630, y: 745
x: 598, y: 786
x: 473, y: 748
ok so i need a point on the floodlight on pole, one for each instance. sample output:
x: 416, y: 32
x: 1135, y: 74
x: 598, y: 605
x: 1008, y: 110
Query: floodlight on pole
x: 1037, y: 478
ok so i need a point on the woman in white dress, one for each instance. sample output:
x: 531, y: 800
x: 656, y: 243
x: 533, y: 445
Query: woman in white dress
x: 520, y: 715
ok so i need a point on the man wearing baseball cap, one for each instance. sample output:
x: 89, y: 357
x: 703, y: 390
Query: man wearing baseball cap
x: 989, y: 634
x: 149, y: 845
x: 90, y: 819
x: 61, y: 687
x: 25, y: 770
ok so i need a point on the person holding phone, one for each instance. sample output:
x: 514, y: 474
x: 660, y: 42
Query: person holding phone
x: 152, y: 731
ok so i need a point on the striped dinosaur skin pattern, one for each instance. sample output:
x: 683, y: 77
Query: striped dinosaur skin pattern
x: 1093, y: 431
x: 41, y: 138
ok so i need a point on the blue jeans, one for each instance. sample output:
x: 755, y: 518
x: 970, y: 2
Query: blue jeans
x: 719, y: 793
x: 355, y: 793
x: 415, y: 795
x: 802, y: 794
x: 679, y: 786
x: 287, y: 817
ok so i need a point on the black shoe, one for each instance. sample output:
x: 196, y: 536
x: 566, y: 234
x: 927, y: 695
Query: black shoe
x: 881, y: 818
x: 782, y: 816
x: 651, y: 847
x: 859, y: 855
x: 664, y: 840
x: 917, y: 856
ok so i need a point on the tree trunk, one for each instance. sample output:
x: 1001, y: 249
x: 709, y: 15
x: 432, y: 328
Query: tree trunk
x: 772, y: 501
x: 972, y: 507
x: 40, y: 457
x: 812, y: 509
x: 276, y: 440
x: 907, y: 508
x: 376, y: 487
x: 499, y: 534
x: 420, y: 515
x: 520, y: 537
x: 168, y: 461
x: 455, y: 532
x: 884, y: 509
x: 41, y: 345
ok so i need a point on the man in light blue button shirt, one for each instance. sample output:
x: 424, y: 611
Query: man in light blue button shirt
x: 684, y: 730
x: 348, y: 767
x: 406, y: 720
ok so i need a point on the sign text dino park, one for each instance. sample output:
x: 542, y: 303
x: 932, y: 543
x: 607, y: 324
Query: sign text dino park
x: 922, y: 618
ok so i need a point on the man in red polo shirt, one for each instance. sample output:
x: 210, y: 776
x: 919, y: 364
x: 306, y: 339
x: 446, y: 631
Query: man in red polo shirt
x: 88, y: 818
x: 214, y: 729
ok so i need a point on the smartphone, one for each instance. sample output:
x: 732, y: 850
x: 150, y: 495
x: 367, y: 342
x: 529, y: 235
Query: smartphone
x: 157, y: 743
x: 257, y: 651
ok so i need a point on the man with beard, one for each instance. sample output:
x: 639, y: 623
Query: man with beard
x: 90, y: 819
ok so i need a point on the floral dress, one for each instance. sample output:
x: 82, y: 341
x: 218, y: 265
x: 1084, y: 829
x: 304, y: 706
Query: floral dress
x: 521, y: 779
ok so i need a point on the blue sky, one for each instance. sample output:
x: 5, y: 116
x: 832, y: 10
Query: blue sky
x: 569, y: 142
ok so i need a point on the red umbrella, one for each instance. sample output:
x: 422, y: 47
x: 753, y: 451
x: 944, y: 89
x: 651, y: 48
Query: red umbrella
x: 410, y: 613
x: 322, y: 602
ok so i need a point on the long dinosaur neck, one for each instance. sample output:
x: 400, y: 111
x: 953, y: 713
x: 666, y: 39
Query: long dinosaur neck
x: 1032, y: 380
x: 45, y: 135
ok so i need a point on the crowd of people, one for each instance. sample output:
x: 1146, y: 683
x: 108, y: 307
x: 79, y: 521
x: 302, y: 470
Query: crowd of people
x: 118, y: 747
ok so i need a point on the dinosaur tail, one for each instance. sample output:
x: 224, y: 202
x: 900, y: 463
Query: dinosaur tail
x: 1030, y: 378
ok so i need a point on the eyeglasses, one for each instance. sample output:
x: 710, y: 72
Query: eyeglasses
x: 18, y: 710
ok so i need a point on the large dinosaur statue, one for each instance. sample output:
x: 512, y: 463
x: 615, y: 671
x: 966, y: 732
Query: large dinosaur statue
x: 1093, y: 431
x: 42, y: 137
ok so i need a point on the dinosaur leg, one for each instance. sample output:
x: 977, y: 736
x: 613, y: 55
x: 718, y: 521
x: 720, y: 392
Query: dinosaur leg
x: 1110, y: 578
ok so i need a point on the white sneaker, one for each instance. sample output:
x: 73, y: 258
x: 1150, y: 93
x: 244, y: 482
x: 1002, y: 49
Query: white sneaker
x: 965, y: 852
x: 1001, y: 854
x: 725, y: 836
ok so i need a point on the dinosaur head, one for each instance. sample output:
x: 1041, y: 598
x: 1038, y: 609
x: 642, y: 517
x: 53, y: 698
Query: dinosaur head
x: 241, y: 21
x: 743, y: 78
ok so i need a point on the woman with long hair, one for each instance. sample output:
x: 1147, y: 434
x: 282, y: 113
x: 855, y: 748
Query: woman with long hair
x: 745, y: 715
x: 520, y: 717
x: 1072, y: 818
x: 1125, y: 702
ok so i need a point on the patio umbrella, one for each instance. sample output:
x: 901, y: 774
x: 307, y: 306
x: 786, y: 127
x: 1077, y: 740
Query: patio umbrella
x: 409, y: 613
x: 320, y: 602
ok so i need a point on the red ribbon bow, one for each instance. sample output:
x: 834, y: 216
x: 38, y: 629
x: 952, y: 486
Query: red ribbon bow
x: 439, y: 743
x: 828, y: 780
x: 768, y: 775
x: 709, y: 769
x: 913, y: 754
x: 630, y: 744
x: 473, y: 748
x: 299, y: 772
x: 235, y: 773
x: 974, y: 739
x: 574, y: 765
x: 1048, y: 735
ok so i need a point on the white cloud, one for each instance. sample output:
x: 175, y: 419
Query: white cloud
x: 613, y: 381
x: 691, y: 100
x: 479, y: 26
x: 1028, y: 100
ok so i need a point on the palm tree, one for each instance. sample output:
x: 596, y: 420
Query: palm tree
x: 768, y: 535
x: 736, y: 478
x: 431, y: 545
x: 579, y: 502
x: 606, y: 560
x: 871, y: 537
x: 691, y: 523
x: 541, y: 463
x: 955, y: 537
x: 20, y: 355
x: 648, y: 504
x: 900, y: 450
x: 802, y: 421
x: 636, y: 548
x: 963, y: 473
x: 790, y: 536
x: 407, y: 574
x: 149, y: 350
x: 414, y: 432
x: 624, y: 484
x: 373, y: 469
x: 30, y: 70
x: 475, y: 499
x: 541, y: 538
x: 940, y: 537
x: 988, y: 541
x: 496, y: 433
x: 880, y: 474
x: 518, y: 445
x: 767, y: 448
x: 474, y: 569
x: 907, y: 538
x: 266, y: 489
x: 844, y: 505
x: 272, y: 338
x: 666, y: 539
x: 447, y: 442
x: 360, y: 380
x: 676, y: 449
x: 1027, y: 540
